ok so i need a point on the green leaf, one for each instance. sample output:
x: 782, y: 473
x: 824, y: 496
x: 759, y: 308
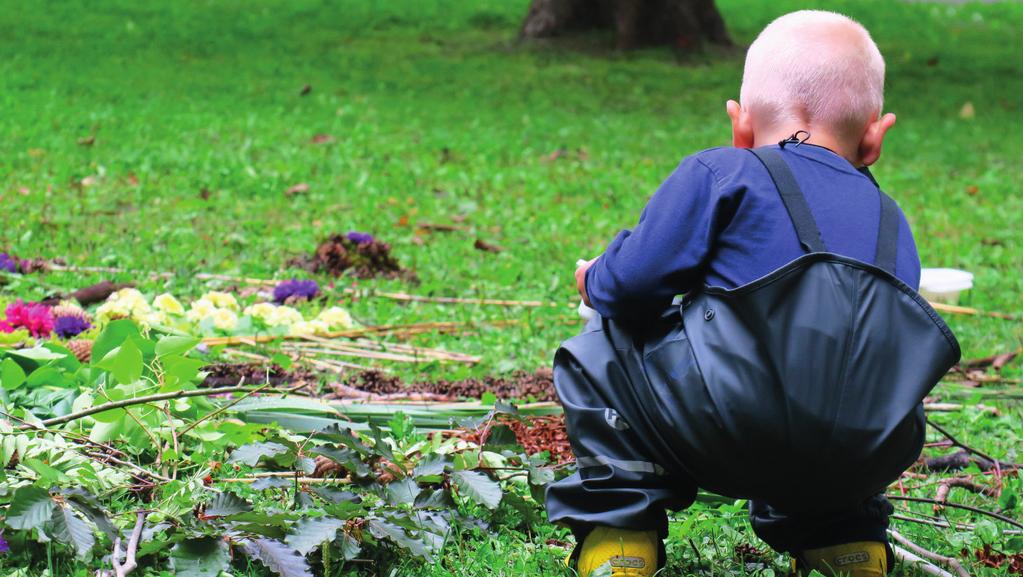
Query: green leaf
x: 478, y: 487
x: 124, y: 362
x: 204, y: 557
x: 225, y: 504
x: 402, y: 492
x: 175, y: 345
x: 112, y: 337
x: 251, y: 454
x: 311, y: 533
x: 386, y: 530
x: 70, y: 529
x: 47, y: 377
x: 30, y: 508
x: 183, y: 369
x: 281, y: 360
x: 431, y: 466
x: 349, y: 547
x: 11, y: 374
x: 39, y: 354
x: 69, y: 363
x: 277, y: 557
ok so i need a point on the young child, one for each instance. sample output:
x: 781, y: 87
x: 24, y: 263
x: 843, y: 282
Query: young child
x: 792, y: 372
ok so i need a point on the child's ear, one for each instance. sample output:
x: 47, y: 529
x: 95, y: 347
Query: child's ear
x: 742, y: 125
x: 870, y: 145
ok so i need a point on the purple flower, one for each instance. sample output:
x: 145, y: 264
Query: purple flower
x: 5, y: 547
x: 295, y: 290
x: 70, y: 326
x: 8, y: 263
x: 360, y: 237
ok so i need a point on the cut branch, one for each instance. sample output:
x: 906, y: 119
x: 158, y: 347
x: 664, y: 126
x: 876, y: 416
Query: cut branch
x: 950, y: 562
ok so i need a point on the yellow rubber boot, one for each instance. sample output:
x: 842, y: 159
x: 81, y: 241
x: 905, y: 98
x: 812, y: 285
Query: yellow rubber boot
x: 859, y: 559
x: 629, y: 553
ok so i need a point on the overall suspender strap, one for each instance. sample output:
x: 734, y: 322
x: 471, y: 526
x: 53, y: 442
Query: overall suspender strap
x: 887, y: 234
x: 795, y: 203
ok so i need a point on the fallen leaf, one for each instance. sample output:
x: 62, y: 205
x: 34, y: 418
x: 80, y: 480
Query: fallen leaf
x: 204, y: 193
x: 321, y: 139
x: 972, y: 190
x: 486, y: 246
x: 967, y: 112
x: 300, y: 188
x: 87, y: 140
x: 89, y: 181
x: 305, y: 90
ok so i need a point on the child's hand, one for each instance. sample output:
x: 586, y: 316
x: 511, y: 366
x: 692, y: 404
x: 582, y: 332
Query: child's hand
x: 580, y: 277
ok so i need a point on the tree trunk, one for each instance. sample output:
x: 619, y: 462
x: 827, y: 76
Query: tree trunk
x: 680, y: 24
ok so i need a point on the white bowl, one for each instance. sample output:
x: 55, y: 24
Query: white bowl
x: 943, y: 285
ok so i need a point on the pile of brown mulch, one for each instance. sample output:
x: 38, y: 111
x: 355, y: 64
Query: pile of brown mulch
x: 1012, y: 562
x: 354, y: 254
x: 535, y: 434
x: 536, y: 386
x: 231, y: 374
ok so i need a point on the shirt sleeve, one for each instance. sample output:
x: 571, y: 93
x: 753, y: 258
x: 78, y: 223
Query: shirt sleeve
x: 642, y: 270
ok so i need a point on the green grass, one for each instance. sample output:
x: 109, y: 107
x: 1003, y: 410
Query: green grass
x: 438, y: 116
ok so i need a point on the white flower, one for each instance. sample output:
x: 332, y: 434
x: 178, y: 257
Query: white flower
x: 168, y: 304
x: 336, y: 318
x: 200, y: 310
x: 314, y: 327
x: 286, y: 316
x: 221, y: 300
x: 261, y: 311
x: 125, y: 303
x: 225, y: 319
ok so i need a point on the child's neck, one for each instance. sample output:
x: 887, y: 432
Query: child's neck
x: 837, y: 145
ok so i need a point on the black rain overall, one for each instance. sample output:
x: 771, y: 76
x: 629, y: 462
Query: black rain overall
x: 800, y: 391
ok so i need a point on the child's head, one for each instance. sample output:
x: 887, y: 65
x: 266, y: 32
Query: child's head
x: 815, y: 71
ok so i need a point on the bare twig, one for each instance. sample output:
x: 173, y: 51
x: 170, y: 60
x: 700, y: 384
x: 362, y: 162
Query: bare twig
x: 120, y: 570
x: 963, y: 445
x: 991, y: 514
x: 140, y: 401
x: 919, y: 563
x: 950, y: 562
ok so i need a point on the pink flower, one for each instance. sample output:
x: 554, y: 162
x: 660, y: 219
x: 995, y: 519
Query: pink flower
x: 35, y: 317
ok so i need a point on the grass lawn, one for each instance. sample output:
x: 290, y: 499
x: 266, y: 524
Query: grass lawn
x: 164, y: 136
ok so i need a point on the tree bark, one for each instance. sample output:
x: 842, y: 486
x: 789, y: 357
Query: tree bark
x: 681, y: 24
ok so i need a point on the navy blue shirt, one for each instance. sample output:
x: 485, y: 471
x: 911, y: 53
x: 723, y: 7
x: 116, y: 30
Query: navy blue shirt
x: 718, y: 220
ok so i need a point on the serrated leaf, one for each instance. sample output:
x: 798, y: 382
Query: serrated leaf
x: 264, y: 483
x: 432, y: 466
x: 349, y: 547
x: 30, y: 508
x: 225, y: 504
x: 70, y: 529
x: 333, y: 495
x: 251, y: 454
x: 382, y: 529
x: 277, y: 557
x: 175, y: 345
x: 309, y: 534
x: 204, y: 557
x: 478, y: 487
x: 402, y: 492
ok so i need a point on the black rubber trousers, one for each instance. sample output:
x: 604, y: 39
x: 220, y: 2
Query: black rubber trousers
x: 630, y: 470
